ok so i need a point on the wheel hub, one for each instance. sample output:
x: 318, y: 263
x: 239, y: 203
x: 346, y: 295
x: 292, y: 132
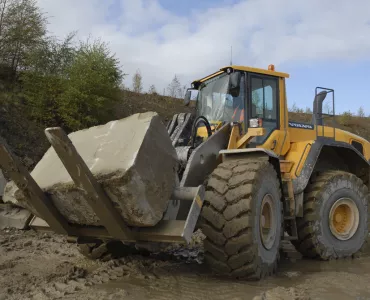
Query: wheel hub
x: 344, y: 219
x: 267, y: 222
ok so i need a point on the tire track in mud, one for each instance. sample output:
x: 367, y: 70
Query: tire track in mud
x: 39, y: 266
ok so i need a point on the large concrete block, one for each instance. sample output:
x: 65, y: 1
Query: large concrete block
x: 132, y: 158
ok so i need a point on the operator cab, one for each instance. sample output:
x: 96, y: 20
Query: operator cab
x: 237, y: 94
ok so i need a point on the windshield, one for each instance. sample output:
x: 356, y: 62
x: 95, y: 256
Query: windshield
x: 216, y: 104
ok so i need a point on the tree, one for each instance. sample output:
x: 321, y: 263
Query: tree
x: 174, y: 88
x: 295, y: 109
x: 45, y: 78
x: 94, y: 78
x: 52, y: 57
x: 184, y: 89
x: 327, y: 108
x: 77, y: 93
x: 346, y: 117
x: 152, y: 89
x: 22, y: 28
x: 361, y: 112
x: 137, y: 84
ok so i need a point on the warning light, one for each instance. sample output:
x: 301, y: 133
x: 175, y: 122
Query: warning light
x: 271, y: 68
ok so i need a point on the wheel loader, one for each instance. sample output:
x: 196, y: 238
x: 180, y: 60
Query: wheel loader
x: 247, y: 176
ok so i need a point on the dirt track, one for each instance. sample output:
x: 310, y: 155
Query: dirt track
x: 43, y: 266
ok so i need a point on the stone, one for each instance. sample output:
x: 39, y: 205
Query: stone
x: 132, y: 158
x: 14, y: 217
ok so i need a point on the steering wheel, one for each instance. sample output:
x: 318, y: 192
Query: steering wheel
x: 200, y: 119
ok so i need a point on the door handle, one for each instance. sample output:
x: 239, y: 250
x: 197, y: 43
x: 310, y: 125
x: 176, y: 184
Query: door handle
x: 274, y: 145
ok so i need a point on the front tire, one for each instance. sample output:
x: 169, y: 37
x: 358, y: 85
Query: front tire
x: 335, y: 222
x: 241, y: 196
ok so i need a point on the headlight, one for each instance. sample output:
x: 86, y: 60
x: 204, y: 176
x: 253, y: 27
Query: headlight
x: 255, y: 123
x: 229, y: 70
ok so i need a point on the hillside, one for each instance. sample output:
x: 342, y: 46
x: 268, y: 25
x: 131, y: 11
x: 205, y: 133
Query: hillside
x: 28, y: 141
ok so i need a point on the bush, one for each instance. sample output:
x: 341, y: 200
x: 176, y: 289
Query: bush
x: 345, y: 118
x: 75, y: 87
x: 93, y: 82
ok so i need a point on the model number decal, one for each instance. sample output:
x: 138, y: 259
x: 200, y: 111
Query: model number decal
x: 300, y: 125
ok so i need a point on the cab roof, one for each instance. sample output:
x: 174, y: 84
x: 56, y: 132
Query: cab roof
x: 269, y: 71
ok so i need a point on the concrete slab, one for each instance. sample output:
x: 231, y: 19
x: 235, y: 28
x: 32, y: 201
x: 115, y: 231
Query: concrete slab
x: 132, y: 158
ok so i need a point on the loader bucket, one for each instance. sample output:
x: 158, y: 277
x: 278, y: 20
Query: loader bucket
x: 112, y: 225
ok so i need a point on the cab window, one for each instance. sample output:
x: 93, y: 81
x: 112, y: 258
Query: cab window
x: 264, y: 94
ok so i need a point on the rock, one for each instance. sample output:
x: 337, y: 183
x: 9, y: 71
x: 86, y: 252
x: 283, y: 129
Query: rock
x: 81, y: 280
x: 132, y: 158
x: 40, y: 296
x: 28, y: 243
x: 61, y: 287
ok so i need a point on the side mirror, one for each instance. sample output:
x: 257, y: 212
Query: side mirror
x: 190, y: 95
x: 234, y: 83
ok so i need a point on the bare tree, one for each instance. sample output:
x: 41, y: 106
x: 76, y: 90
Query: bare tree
x: 184, y: 88
x: 152, y: 89
x: 327, y: 108
x: 174, y: 88
x: 137, y: 82
x: 361, y: 112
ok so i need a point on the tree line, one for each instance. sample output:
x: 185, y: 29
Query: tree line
x: 174, y: 89
x: 327, y: 109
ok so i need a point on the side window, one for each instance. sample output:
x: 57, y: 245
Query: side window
x: 257, y: 97
x: 264, y: 102
x: 264, y: 93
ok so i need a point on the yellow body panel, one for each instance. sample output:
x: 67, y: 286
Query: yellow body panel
x: 291, y: 145
x: 297, y: 154
x: 259, y: 71
x: 301, y: 139
x: 282, y: 139
x: 246, y: 69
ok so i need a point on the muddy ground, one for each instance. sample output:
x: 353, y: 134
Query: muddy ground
x: 45, y: 266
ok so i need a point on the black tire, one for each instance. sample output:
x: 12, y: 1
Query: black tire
x: 315, y: 238
x: 231, y: 214
x: 104, y: 250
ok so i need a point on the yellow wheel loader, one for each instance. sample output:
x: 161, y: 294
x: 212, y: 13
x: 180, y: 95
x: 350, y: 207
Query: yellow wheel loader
x: 246, y: 176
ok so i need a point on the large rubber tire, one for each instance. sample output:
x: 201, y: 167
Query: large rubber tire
x: 315, y: 238
x: 230, y: 218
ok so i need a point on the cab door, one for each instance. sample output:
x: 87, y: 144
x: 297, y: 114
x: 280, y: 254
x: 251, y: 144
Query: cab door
x: 264, y: 100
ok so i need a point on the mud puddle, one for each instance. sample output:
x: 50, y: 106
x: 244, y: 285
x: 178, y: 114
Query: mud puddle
x: 300, y: 280
x: 36, y: 266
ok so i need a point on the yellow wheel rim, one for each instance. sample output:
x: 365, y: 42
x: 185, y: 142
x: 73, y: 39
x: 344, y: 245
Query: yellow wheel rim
x: 267, y: 222
x: 344, y: 219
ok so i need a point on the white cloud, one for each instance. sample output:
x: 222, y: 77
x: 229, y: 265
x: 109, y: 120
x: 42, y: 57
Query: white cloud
x: 147, y: 36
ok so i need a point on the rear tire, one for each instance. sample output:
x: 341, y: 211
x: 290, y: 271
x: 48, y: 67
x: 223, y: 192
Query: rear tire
x: 231, y: 216
x: 335, y: 222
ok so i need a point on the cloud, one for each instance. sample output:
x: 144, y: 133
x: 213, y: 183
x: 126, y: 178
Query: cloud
x: 161, y: 43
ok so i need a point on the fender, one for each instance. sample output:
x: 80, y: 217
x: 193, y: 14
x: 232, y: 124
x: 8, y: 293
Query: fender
x: 300, y: 183
x: 236, y: 152
x: 232, y: 153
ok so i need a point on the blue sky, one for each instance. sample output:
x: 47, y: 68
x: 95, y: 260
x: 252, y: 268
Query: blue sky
x: 317, y: 42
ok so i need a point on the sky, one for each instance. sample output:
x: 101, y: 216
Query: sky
x: 318, y: 42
